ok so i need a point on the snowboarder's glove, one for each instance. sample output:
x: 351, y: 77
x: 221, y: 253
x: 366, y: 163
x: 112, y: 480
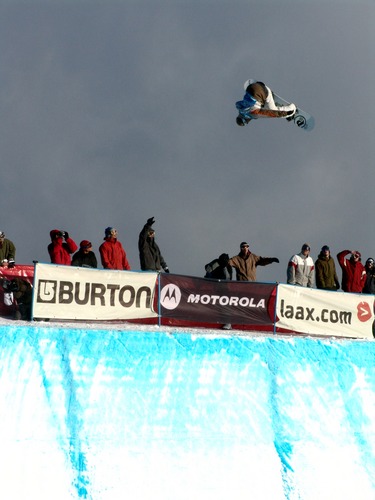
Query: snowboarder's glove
x: 275, y: 259
x: 65, y: 235
x: 166, y: 270
x: 11, y: 263
x: 150, y: 221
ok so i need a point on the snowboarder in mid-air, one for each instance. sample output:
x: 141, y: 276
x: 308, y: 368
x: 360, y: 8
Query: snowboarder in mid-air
x: 259, y: 102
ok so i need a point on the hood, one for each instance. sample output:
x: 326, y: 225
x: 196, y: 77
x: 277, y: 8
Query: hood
x: 53, y: 233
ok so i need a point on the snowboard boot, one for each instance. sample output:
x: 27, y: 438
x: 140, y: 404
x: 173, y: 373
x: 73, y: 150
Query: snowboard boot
x: 291, y: 115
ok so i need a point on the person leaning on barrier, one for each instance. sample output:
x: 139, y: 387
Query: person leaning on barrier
x: 246, y: 262
x: 219, y: 269
x: 301, y: 269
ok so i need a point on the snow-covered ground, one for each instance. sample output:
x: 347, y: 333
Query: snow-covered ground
x: 114, y: 411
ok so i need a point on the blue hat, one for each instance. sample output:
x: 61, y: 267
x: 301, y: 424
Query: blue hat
x: 108, y: 231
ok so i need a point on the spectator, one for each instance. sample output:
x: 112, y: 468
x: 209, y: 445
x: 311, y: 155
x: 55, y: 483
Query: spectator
x: 7, y: 251
x: 370, y: 277
x: 85, y: 257
x: 219, y: 269
x: 301, y: 269
x: 19, y: 291
x: 325, y: 271
x: 60, y: 251
x: 353, y: 271
x: 150, y: 256
x: 246, y: 263
x: 112, y: 253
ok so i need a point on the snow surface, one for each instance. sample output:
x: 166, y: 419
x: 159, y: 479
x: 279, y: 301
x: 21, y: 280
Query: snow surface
x: 116, y: 411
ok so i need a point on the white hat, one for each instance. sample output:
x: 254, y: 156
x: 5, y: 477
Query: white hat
x: 2, y: 234
x: 248, y: 82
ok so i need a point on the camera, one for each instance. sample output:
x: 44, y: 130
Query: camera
x: 9, y: 286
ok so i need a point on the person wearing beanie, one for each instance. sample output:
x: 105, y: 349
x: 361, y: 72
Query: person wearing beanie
x: 325, y: 271
x: 353, y: 271
x: 85, y: 257
x: 301, y: 269
x: 246, y: 262
x: 7, y: 251
x: 59, y: 250
x: 369, y: 286
x: 150, y: 256
x: 112, y: 253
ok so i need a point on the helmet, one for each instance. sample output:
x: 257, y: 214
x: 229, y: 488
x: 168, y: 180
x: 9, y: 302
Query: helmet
x: 248, y: 82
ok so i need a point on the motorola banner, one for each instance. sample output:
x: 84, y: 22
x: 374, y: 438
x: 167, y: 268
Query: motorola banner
x: 66, y: 292
x: 187, y: 298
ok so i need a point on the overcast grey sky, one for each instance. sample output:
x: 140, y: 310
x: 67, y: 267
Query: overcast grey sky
x: 116, y: 111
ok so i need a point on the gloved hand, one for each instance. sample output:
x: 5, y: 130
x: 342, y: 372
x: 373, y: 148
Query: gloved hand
x: 275, y: 259
x: 11, y: 263
x: 150, y: 221
x: 65, y: 235
x: 166, y: 270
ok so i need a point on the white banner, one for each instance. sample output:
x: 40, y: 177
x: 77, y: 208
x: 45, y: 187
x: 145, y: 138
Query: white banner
x: 320, y: 312
x: 66, y: 292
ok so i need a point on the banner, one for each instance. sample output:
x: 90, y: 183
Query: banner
x: 211, y: 301
x: 321, y: 312
x: 66, y: 292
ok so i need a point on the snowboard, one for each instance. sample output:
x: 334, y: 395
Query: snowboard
x: 301, y: 118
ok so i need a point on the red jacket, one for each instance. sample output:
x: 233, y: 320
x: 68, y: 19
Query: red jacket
x: 353, y: 273
x: 60, y: 250
x: 113, y: 255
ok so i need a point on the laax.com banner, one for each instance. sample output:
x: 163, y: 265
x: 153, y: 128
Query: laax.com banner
x: 338, y: 314
x: 241, y: 303
x: 65, y: 292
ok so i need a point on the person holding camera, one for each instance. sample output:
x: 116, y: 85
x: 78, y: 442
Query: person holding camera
x: 7, y: 251
x: 60, y: 251
x: 18, y: 293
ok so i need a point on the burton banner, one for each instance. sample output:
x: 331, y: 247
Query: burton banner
x: 242, y: 303
x: 66, y: 292
x: 320, y: 312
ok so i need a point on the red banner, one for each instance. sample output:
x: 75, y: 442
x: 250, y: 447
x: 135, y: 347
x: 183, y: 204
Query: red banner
x: 242, y: 303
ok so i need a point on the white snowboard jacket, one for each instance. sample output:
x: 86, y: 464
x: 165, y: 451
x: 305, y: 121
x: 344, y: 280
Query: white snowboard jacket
x: 301, y: 271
